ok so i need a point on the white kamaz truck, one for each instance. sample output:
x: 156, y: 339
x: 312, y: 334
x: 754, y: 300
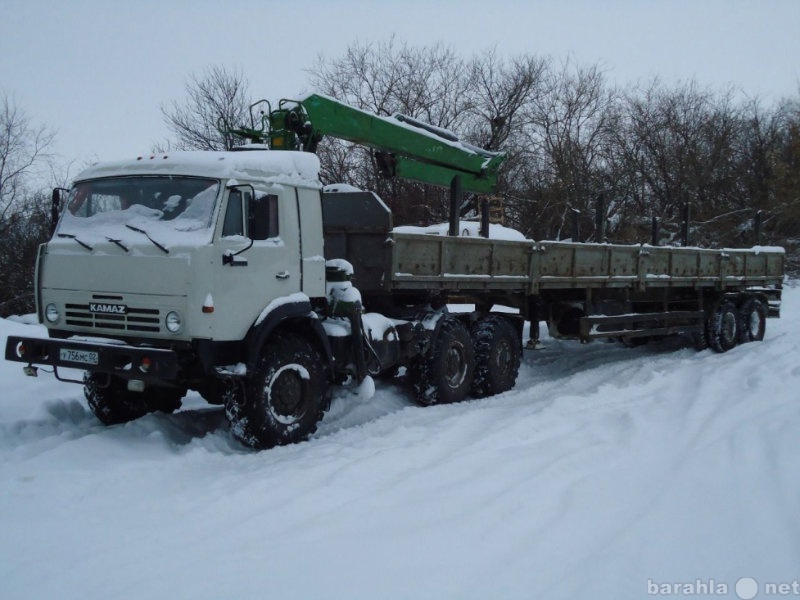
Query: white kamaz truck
x: 234, y: 274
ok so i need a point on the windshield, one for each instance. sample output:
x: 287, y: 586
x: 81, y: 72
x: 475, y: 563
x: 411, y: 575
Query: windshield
x: 161, y: 205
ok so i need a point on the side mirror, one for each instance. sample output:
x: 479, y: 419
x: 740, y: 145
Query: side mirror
x: 238, y: 221
x: 55, y: 207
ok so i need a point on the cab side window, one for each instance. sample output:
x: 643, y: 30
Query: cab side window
x: 263, y: 217
x: 234, y: 214
x: 253, y: 217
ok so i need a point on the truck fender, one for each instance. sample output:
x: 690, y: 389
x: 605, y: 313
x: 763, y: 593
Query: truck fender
x: 432, y: 322
x: 296, y: 314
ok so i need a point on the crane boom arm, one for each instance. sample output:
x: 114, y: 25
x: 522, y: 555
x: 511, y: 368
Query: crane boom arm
x: 404, y: 147
x: 420, y: 151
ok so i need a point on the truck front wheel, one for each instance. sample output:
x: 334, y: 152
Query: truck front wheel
x: 284, y: 399
x: 111, y: 401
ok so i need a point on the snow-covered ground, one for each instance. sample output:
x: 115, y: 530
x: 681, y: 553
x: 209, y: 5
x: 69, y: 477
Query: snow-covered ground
x: 608, y: 473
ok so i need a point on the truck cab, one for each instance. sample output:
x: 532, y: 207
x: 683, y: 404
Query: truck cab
x: 183, y: 247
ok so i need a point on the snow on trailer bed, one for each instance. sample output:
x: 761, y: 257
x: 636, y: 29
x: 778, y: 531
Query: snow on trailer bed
x: 605, y: 472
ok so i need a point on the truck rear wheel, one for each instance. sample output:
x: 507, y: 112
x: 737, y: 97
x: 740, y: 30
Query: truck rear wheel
x: 497, y: 356
x: 113, y: 403
x: 723, y: 327
x: 284, y: 399
x: 445, y: 374
x: 753, y: 316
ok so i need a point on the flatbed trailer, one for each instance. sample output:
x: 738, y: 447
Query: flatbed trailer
x: 582, y: 290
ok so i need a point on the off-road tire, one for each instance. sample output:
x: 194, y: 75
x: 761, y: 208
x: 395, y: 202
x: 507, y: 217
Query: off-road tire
x: 219, y: 390
x: 498, y: 353
x: 285, y: 397
x: 114, y: 403
x: 753, y: 319
x: 723, y: 326
x: 445, y: 373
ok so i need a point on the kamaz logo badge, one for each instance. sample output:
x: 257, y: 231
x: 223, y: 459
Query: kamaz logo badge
x: 113, y: 309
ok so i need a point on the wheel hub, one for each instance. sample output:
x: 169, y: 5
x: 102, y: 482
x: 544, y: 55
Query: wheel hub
x: 286, y: 394
x: 456, y: 367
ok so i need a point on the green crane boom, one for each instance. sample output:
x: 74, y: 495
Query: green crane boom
x: 404, y: 147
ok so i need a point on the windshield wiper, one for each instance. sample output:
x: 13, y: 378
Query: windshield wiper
x: 155, y: 243
x: 74, y: 237
x: 118, y: 243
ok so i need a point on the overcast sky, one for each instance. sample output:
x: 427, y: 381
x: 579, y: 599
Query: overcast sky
x: 98, y: 71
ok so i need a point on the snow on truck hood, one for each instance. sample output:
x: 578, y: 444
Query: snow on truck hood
x: 296, y: 168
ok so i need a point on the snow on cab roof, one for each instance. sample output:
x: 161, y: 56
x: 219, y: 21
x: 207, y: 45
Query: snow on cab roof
x: 294, y: 168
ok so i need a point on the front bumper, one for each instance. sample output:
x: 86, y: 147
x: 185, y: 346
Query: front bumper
x: 124, y: 361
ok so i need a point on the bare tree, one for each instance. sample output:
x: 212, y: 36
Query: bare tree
x: 682, y: 146
x: 570, y: 125
x: 501, y: 90
x: 216, y: 97
x: 783, y: 217
x: 24, y: 214
x: 569, y: 136
x: 21, y: 233
x: 480, y: 99
x: 428, y: 83
x: 24, y: 154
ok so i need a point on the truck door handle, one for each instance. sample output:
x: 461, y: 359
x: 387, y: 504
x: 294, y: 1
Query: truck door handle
x: 282, y: 275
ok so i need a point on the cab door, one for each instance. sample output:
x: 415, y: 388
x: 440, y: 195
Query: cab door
x: 260, y: 259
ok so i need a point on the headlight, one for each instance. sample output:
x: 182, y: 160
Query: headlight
x: 51, y: 313
x: 173, y: 322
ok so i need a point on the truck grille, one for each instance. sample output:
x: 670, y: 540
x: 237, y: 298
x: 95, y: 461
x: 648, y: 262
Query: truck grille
x: 135, y: 319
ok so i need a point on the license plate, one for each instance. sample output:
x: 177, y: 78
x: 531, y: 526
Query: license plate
x: 84, y: 357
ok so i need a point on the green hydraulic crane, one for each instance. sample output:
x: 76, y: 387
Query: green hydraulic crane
x: 405, y: 147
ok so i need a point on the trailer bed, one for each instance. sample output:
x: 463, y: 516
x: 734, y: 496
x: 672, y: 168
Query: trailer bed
x: 417, y: 262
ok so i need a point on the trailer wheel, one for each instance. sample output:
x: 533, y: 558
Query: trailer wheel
x: 753, y: 317
x: 284, y: 399
x: 113, y: 403
x: 497, y: 356
x: 723, y: 327
x: 445, y: 374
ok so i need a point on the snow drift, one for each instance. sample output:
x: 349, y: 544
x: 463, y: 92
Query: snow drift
x: 606, y: 471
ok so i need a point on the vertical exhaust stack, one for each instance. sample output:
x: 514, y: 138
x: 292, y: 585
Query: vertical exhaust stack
x: 485, y: 218
x: 456, y: 194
